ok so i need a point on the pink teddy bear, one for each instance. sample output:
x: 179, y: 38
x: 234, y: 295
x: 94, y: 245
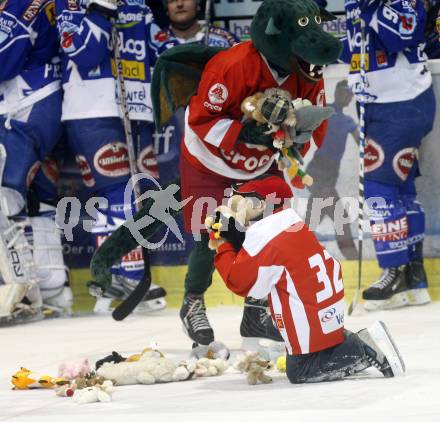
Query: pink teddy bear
x: 71, y: 370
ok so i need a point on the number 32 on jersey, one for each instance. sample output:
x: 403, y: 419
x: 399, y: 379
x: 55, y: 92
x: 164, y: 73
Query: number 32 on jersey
x: 331, y: 284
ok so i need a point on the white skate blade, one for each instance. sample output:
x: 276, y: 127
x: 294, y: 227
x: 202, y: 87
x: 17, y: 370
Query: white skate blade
x: 61, y: 303
x: 396, y: 301
x: 103, y: 306
x: 418, y: 297
x: 379, y: 333
x: 268, y: 349
x: 149, y: 306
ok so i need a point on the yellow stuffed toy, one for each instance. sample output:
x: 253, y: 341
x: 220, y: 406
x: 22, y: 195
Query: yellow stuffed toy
x: 24, y: 379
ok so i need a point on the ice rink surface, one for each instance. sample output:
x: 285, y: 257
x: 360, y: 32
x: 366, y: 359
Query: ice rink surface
x: 42, y: 346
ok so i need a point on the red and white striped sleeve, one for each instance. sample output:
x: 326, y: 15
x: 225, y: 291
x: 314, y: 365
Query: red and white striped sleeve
x: 213, y: 110
x: 237, y: 269
x: 248, y: 275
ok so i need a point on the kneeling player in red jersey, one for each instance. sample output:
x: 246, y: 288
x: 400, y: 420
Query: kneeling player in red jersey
x: 264, y: 250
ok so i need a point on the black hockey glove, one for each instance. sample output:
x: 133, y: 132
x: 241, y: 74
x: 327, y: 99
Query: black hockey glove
x: 251, y: 133
x: 107, y: 8
x: 230, y: 230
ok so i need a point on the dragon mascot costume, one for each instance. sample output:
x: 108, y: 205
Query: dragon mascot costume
x: 220, y: 147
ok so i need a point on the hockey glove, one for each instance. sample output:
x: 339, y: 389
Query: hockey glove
x: 251, y: 133
x: 229, y: 229
x: 107, y: 8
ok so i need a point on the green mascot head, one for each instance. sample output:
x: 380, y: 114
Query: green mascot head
x: 289, y: 34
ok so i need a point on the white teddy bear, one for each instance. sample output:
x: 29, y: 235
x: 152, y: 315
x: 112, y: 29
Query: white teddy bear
x: 210, y: 367
x: 101, y: 393
x: 151, y: 368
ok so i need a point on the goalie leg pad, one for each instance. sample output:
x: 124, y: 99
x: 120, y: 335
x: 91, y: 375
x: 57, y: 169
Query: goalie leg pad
x: 48, y: 253
x: 10, y: 295
x: 16, y: 259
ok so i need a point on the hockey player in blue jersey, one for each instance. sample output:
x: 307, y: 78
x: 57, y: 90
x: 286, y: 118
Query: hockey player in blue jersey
x: 400, y: 108
x: 91, y: 112
x: 31, y: 265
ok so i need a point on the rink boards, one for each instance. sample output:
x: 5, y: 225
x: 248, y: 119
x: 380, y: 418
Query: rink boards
x: 172, y: 279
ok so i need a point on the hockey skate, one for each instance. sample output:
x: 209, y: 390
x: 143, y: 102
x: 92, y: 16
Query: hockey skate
x: 381, y: 351
x: 59, y: 305
x: 121, y: 288
x: 258, y: 331
x: 389, y: 292
x: 22, y: 314
x: 153, y: 301
x: 15, y: 306
x: 195, y: 322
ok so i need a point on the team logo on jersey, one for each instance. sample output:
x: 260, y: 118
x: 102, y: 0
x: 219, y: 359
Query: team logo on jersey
x: 407, y: 23
x: 32, y: 172
x: 33, y: 9
x: 332, y: 317
x: 328, y: 315
x: 85, y: 170
x: 373, y: 156
x: 403, y: 162
x: 218, y: 94
x: 381, y: 58
x: 111, y: 160
x: 161, y: 36
x: 279, y: 321
x: 68, y: 30
x: 147, y: 162
x: 320, y: 98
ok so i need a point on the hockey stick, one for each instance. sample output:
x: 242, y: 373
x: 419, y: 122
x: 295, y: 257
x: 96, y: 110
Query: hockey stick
x: 361, y: 196
x: 130, y: 303
x: 207, y: 20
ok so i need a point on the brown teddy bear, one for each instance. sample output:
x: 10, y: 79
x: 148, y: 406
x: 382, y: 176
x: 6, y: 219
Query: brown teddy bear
x: 254, y: 366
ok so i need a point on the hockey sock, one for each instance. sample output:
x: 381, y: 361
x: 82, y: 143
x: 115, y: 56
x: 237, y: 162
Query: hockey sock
x: 200, y: 267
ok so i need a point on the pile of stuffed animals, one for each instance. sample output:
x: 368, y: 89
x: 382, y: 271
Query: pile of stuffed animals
x: 291, y: 123
x: 84, y: 385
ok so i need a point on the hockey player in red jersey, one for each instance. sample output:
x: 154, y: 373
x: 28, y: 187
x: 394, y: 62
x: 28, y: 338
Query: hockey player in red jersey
x: 279, y: 257
x: 287, y: 51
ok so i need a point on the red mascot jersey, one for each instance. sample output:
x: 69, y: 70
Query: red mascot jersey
x: 213, y: 117
x: 282, y: 258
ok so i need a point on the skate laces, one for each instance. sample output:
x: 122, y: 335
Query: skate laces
x: 197, y: 314
x: 386, y: 278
